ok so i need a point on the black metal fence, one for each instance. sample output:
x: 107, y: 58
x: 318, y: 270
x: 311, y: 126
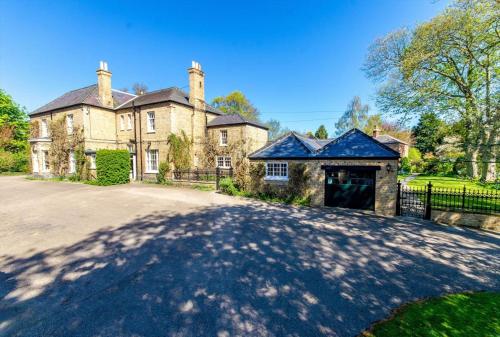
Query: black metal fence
x: 420, y: 201
x: 202, y: 175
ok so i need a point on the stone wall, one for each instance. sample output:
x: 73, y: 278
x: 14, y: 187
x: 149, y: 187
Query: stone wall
x: 385, y: 188
x: 483, y: 221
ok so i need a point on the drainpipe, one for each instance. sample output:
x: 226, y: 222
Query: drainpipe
x: 135, y: 138
x: 140, y: 143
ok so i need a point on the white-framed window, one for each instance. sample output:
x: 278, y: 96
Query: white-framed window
x: 45, y: 128
x: 223, y: 162
x: 129, y: 122
x: 72, y: 162
x: 92, y: 161
x: 34, y: 160
x: 151, y: 121
x: 69, y: 124
x: 223, y: 137
x: 122, y: 122
x: 151, y: 161
x: 45, y: 161
x: 276, y: 171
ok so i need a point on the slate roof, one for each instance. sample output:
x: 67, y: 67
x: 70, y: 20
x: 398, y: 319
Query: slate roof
x: 90, y: 95
x: 233, y: 119
x: 163, y: 95
x: 87, y: 95
x: 353, y: 144
x: 386, y: 139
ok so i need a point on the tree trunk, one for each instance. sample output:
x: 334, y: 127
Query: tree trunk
x: 471, y: 156
x: 488, y: 157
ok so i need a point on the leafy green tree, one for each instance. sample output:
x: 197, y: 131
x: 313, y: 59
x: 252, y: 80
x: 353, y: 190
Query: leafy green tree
x: 321, y: 133
x: 309, y: 134
x: 14, y: 127
x: 275, y: 129
x: 448, y: 65
x: 372, y: 122
x: 429, y: 132
x: 236, y: 103
x: 354, y: 117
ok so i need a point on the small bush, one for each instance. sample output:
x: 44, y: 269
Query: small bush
x: 227, y: 186
x: 162, y: 171
x: 113, y: 167
x: 405, y: 166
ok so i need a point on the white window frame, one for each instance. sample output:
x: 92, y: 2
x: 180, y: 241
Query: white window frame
x: 72, y: 162
x: 92, y: 161
x: 223, y: 138
x: 223, y: 162
x: 275, y: 170
x: 129, y: 121
x: 44, y: 128
x: 150, y: 164
x: 122, y: 122
x: 69, y: 124
x: 45, y: 161
x: 151, y: 121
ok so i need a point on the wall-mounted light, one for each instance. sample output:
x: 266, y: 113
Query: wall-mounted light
x: 389, y: 168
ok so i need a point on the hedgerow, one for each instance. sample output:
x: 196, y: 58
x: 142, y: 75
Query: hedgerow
x: 113, y: 167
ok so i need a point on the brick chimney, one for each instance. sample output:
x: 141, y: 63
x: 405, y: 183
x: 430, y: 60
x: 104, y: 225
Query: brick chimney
x: 196, y: 85
x: 104, y: 84
x: 376, y: 132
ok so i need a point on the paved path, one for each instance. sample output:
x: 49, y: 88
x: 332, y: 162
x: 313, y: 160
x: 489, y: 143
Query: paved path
x: 78, y: 260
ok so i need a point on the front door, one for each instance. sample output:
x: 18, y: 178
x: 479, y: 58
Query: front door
x: 350, y: 188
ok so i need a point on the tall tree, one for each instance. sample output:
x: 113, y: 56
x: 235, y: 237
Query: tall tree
x: 275, y: 129
x: 429, y: 132
x: 140, y: 88
x: 13, y: 124
x: 354, y: 117
x: 321, y: 133
x: 448, y: 65
x: 236, y: 102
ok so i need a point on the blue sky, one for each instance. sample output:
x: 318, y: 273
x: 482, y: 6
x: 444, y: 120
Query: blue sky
x: 297, y: 61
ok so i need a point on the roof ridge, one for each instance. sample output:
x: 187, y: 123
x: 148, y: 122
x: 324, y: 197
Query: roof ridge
x: 124, y: 92
x: 272, y: 143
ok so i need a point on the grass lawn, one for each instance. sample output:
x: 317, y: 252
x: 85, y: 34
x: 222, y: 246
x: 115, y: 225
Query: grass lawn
x: 458, y: 315
x: 450, y: 182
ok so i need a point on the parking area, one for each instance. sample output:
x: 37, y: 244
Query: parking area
x: 140, y: 260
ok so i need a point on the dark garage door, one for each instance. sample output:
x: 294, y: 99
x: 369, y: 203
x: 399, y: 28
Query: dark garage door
x: 350, y: 187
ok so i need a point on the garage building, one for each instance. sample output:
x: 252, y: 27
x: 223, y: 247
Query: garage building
x: 351, y: 171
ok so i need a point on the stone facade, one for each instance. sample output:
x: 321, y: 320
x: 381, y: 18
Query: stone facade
x: 105, y: 127
x: 385, y: 181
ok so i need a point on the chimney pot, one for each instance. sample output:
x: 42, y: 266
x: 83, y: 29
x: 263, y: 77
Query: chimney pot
x: 376, y: 132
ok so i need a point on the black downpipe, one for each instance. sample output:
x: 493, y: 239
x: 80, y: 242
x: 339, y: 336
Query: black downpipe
x: 140, y: 143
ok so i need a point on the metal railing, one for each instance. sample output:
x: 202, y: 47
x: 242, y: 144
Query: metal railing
x: 202, y: 175
x: 420, y: 201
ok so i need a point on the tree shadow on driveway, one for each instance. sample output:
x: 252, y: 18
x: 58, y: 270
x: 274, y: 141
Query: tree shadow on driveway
x: 243, y: 270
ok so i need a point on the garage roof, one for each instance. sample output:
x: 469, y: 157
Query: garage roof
x: 353, y: 144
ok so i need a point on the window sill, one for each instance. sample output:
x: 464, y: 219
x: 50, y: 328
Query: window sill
x: 271, y: 178
x: 150, y: 131
x: 222, y: 144
x: 151, y: 172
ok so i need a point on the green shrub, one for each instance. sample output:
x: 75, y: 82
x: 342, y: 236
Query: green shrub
x: 405, y: 165
x: 13, y: 162
x: 162, y: 171
x: 226, y: 185
x: 113, y: 167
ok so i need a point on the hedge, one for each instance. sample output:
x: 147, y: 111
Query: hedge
x: 113, y: 167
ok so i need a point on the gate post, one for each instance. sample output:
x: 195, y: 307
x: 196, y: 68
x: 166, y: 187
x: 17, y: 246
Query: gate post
x: 428, y: 203
x: 217, y: 178
x: 398, y: 200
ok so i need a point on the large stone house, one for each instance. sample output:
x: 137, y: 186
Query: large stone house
x: 351, y: 171
x: 112, y: 119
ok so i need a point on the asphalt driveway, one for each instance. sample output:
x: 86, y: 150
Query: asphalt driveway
x: 136, y: 260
